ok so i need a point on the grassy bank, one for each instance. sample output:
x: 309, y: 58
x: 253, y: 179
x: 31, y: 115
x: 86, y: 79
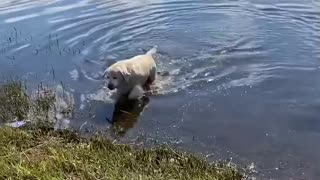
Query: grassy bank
x: 37, y: 151
x: 41, y: 153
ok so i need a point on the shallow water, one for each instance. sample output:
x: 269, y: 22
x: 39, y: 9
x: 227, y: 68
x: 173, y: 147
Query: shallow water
x: 243, y: 74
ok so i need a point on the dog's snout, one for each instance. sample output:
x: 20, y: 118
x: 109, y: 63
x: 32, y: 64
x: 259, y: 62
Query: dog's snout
x: 110, y: 86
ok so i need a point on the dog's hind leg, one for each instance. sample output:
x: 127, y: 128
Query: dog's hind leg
x: 153, y: 75
x: 150, y: 80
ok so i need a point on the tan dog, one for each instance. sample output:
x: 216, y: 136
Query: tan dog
x: 131, y: 76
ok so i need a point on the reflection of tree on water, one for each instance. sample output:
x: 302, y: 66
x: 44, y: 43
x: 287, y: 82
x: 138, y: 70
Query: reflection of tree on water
x: 126, y: 113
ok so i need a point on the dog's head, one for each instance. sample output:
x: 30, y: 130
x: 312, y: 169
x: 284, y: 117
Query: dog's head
x: 116, y: 76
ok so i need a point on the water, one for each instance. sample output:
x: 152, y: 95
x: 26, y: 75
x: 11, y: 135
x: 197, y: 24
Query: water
x: 243, y: 74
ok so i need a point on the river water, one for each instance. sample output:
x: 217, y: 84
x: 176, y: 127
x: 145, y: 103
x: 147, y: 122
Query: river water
x: 243, y: 74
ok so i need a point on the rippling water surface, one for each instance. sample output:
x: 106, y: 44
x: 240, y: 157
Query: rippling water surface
x: 243, y: 74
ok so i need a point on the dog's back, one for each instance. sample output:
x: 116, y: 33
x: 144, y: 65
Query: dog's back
x: 144, y: 64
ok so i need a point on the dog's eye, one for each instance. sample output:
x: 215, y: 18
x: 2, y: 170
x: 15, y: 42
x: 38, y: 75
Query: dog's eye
x: 108, y: 77
x: 114, y: 77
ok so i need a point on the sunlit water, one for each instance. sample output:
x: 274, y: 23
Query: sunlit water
x: 243, y: 75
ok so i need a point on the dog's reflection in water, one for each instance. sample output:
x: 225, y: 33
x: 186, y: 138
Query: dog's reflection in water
x: 126, y: 113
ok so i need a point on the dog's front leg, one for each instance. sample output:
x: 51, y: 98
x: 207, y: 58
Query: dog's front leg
x: 136, y: 92
x: 116, y: 95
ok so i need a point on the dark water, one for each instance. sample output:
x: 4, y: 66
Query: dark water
x: 243, y: 77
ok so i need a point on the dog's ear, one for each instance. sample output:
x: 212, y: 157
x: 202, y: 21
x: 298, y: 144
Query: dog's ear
x: 125, y: 73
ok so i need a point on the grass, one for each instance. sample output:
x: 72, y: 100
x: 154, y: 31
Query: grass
x: 42, y: 153
x: 14, y: 103
x: 37, y: 151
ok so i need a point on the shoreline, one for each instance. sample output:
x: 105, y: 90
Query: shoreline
x: 40, y: 152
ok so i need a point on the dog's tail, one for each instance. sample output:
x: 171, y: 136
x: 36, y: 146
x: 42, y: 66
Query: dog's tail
x: 152, y: 50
